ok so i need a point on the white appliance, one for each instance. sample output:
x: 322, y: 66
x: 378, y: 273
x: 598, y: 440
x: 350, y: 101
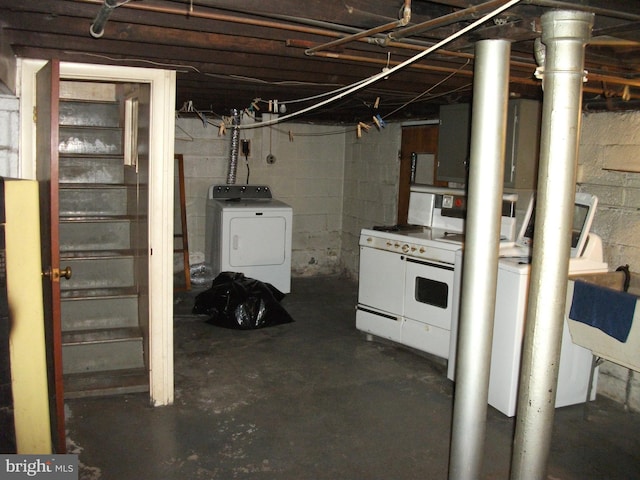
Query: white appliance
x: 249, y: 232
x: 511, y: 306
x: 406, y: 279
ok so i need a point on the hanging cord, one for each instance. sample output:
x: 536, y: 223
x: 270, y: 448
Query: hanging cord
x: 627, y: 276
x: 379, y: 76
x: 245, y: 151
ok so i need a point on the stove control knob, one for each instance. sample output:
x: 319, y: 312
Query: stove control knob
x: 405, y: 248
x: 413, y: 249
x: 397, y: 245
x: 421, y: 250
x: 389, y: 244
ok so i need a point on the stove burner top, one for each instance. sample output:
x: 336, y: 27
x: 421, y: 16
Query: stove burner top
x: 399, y: 228
x: 453, y: 237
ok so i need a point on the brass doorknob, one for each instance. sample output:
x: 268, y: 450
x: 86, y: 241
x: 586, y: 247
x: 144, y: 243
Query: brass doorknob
x: 66, y: 273
x: 54, y: 273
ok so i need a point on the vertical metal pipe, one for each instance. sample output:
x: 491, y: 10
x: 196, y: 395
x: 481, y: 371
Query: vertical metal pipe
x: 235, y: 148
x: 482, y: 238
x: 564, y: 33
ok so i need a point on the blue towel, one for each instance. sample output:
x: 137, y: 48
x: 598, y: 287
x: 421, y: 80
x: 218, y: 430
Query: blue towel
x: 608, y: 310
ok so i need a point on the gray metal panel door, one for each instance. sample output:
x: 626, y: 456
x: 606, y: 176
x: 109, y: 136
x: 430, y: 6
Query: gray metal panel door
x: 453, y: 142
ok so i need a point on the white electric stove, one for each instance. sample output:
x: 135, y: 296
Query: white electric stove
x: 406, y: 278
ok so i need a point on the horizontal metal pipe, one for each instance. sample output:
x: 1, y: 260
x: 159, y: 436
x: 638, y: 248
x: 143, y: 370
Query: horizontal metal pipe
x: 469, y: 73
x: 377, y: 61
x: 406, y: 18
x: 445, y: 19
x: 593, y: 77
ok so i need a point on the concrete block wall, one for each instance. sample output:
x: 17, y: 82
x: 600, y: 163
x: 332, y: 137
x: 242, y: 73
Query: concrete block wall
x: 605, y: 138
x: 370, y: 187
x: 307, y: 174
x: 9, y: 136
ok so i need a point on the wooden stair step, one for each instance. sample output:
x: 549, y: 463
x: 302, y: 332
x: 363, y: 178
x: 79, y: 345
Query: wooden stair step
x: 96, y: 218
x: 84, y: 293
x: 94, y: 254
x: 111, y: 382
x: 95, y: 186
x: 102, y: 335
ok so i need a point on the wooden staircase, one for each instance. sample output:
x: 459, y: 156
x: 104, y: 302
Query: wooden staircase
x: 103, y: 343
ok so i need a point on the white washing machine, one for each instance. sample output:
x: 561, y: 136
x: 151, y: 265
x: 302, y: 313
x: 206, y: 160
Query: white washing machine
x: 512, y: 290
x: 508, y: 333
x: 249, y: 232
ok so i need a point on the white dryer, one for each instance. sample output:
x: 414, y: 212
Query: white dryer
x: 249, y: 232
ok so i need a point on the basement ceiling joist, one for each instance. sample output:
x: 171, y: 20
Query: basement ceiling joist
x: 228, y: 53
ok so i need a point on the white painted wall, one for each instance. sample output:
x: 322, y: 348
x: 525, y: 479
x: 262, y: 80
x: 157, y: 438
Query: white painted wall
x: 606, y: 138
x: 9, y: 136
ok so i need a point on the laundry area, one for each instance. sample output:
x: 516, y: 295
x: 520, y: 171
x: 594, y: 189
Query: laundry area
x: 313, y: 399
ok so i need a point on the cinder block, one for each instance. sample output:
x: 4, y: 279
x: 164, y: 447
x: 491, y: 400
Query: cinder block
x: 311, y: 223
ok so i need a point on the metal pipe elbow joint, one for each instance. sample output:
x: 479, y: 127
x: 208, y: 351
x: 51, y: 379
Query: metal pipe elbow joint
x: 97, y: 27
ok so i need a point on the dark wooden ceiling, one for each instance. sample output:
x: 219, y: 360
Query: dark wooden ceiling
x: 228, y: 53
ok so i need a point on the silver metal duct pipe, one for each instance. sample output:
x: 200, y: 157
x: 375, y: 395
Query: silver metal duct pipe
x: 97, y: 27
x: 235, y: 148
x: 565, y: 34
x: 480, y: 268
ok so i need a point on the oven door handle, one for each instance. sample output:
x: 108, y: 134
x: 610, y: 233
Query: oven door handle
x: 442, y: 266
x: 379, y: 314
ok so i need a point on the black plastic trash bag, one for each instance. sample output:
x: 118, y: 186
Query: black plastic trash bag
x: 239, y: 302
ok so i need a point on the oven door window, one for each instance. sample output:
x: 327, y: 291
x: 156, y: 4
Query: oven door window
x: 429, y: 292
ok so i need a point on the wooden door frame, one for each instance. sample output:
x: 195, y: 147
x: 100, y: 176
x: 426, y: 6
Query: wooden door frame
x: 161, y: 203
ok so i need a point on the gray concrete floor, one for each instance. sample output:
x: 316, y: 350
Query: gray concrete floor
x: 314, y: 400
